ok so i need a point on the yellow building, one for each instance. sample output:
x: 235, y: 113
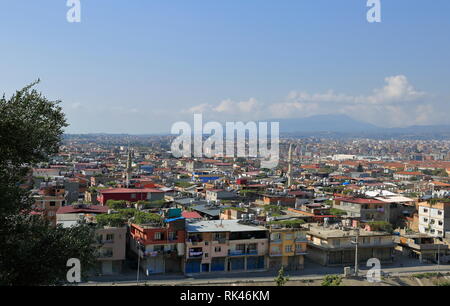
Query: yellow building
x: 287, y: 247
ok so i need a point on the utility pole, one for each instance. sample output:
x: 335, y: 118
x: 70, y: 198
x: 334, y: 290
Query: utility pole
x: 138, y: 246
x: 356, y: 243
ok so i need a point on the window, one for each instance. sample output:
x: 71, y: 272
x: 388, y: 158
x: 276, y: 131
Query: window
x: 158, y: 248
x: 52, y: 203
x: 172, y: 236
x: 440, y: 223
x: 206, y: 255
x: 133, y: 196
x: 337, y: 243
x: 110, y: 237
x: 158, y: 236
x: 276, y: 236
x: 288, y: 248
x: 425, y: 210
x: 217, y: 249
x: 440, y: 212
x: 298, y: 247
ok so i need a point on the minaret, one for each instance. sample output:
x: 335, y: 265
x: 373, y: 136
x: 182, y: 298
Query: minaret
x: 129, y: 168
x: 289, y: 174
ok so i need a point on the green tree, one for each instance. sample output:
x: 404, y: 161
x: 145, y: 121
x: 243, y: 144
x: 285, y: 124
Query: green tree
x: 31, y: 251
x: 116, y: 204
x: 281, y: 279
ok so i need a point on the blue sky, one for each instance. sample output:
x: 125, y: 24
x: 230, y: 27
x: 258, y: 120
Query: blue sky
x: 138, y: 66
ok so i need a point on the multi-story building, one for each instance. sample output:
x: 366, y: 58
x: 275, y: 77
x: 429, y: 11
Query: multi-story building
x: 111, y: 241
x: 130, y: 195
x: 434, y: 218
x: 225, y: 246
x: 421, y: 246
x: 329, y: 246
x: 287, y: 247
x: 48, y: 199
x: 363, y: 209
x: 159, y: 245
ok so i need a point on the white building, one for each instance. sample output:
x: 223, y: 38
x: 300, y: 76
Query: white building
x: 434, y: 219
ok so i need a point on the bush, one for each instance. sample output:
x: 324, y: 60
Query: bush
x: 381, y: 226
x: 332, y: 280
x: 146, y: 218
x: 113, y: 204
x: 113, y: 220
x: 337, y: 212
x: 152, y: 204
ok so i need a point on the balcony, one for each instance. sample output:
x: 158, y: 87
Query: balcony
x: 423, y: 247
x: 242, y: 252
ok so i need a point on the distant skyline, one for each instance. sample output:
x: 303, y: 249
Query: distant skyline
x: 136, y: 67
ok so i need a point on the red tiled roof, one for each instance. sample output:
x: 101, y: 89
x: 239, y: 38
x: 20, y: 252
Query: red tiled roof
x: 191, y: 215
x: 129, y: 190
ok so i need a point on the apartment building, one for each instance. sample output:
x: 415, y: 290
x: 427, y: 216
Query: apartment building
x: 287, y: 247
x: 434, y: 218
x: 225, y: 246
x: 363, y: 208
x: 160, y: 246
x: 111, y: 241
x: 130, y: 195
x: 333, y: 246
x: 421, y: 246
x: 48, y: 199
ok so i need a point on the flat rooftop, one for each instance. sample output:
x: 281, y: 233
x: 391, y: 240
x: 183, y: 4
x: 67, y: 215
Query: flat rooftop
x: 221, y: 226
x: 331, y: 232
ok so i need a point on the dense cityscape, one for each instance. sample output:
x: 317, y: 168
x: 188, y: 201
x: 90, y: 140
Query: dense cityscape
x: 224, y: 152
x: 189, y: 217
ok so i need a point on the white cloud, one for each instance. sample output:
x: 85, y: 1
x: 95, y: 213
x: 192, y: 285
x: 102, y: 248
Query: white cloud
x: 397, y: 103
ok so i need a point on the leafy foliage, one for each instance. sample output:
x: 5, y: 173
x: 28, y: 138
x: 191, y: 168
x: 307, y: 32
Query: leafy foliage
x: 281, y: 279
x: 337, y: 212
x: 146, y: 218
x: 32, y: 252
x: 332, y: 280
x: 114, y: 204
x: 381, y: 226
x: 113, y: 220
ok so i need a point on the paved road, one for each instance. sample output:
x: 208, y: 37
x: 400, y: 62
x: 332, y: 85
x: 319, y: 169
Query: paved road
x: 402, y: 267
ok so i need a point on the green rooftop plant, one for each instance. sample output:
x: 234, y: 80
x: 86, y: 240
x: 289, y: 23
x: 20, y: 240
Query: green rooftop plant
x: 289, y: 223
x: 146, y: 218
x: 113, y: 220
x: 114, y: 204
x: 381, y: 226
x: 337, y: 212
